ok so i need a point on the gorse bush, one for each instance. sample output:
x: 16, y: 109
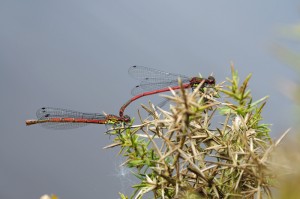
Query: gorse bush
x: 211, y: 143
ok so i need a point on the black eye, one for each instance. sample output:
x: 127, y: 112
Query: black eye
x: 211, y: 79
x: 47, y: 115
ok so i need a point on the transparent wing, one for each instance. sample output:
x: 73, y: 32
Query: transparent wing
x: 48, y: 113
x: 153, y: 79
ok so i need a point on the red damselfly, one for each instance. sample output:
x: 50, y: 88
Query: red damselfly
x: 153, y: 81
x: 58, y: 118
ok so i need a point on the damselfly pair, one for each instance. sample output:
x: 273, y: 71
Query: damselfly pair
x: 152, y: 81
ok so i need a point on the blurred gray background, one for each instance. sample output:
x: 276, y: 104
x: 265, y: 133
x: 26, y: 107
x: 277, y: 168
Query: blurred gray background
x: 75, y: 55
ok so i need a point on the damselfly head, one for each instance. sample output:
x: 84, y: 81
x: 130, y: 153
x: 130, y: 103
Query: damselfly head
x: 211, y: 80
x: 126, y: 118
x: 195, y: 81
x: 113, y: 119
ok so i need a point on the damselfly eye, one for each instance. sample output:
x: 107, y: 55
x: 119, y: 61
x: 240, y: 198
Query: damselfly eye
x: 211, y: 80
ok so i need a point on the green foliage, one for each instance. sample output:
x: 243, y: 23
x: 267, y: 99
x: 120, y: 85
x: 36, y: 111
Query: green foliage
x: 243, y: 104
x: 187, y: 153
